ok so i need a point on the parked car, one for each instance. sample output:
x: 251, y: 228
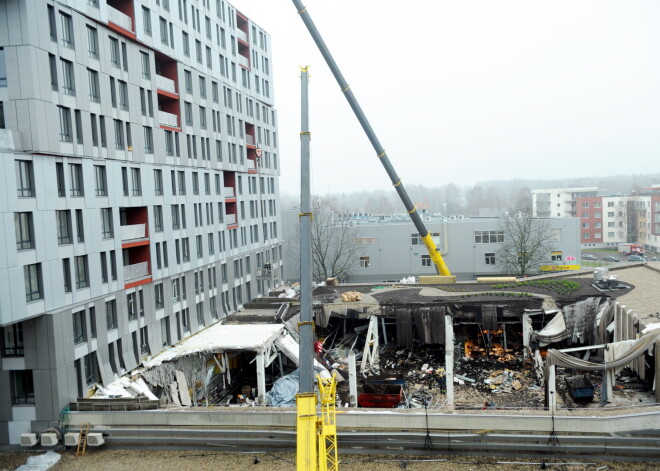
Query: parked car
x: 588, y: 256
x: 635, y: 258
x: 652, y: 259
x: 609, y: 258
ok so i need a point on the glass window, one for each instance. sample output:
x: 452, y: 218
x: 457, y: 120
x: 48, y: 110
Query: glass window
x: 101, y: 180
x: 92, y: 42
x: 66, y: 134
x: 79, y: 327
x: 22, y: 387
x: 114, y: 52
x: 67, y: 30
x: 77, y: 187
x: 111, y: 314
x: 106, y: 223
x: 12, y: 340
x: 63, y: 227
x: 82, y: 272
x: 32, y: 278
x: 24, y: 231
x: 68, y: 78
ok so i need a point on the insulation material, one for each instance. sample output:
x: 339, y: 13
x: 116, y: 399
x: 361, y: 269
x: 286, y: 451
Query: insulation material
x: 284, y: 390
x: 554, y: 331
x: 580, y: 319
x: 640, y: 346
x: 351, y: 297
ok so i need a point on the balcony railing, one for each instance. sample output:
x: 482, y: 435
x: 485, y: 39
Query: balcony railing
x: 242, y: 35
x: 165, y: 84
x: 251, y: 164
x: 168, y: 119
x: 229, y: 192
x: 118, y: 18
x: 136, y: 271
x: 133, y: 231
x: 230, y: 219
x: 244, y: 61
x: 249, y: 139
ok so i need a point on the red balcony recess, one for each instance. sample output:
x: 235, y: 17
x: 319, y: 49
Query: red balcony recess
x: 121, y: 17
x: 134, y: 232
x: 229, y: 190
x: 231, y: 215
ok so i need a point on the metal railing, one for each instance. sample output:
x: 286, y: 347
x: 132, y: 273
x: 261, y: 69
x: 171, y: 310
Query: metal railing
x: 249, y: 139
x: 244, y: 61
x: 230, y: 219
x: 229, y: 192
x: 242, y: 35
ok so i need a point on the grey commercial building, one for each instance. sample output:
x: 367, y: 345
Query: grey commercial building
x: 138, y: 144
x: 390, y: 247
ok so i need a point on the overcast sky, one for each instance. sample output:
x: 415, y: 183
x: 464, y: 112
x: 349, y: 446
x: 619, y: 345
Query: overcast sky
x: 462, y: 91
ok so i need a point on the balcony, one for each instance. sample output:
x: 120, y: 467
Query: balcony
x: 165, y: 84
x: 168, y: 119
x: 136, y: 271
x: 118, y: 18
x: 251, y: 165
x: 249, y: 139
x: 244, y: 61
x: 133, y: 232
x: 230, y: 219
x: 228, y: 191
x: 242, y: 35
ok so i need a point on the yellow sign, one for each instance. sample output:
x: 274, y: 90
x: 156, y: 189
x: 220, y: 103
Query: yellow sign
x: 559, y: 267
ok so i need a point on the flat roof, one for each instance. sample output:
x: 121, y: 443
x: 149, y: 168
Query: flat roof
x: 221, y: 337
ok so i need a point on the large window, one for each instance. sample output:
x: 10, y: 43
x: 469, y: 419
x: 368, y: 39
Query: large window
x: 144, y: 62
x: 12, y: 340
x: 111, y: 314
x: 77, y: 187
x: 24, y: 178
x: 22, y: 387
x: 63, y: 227
x: 158, y: 182
x: 66, y: 30
x: 24, y: 231
x: 114, y: 52
x: 106, y: 223
x: 68, y: 79
x: 92, y: 42
x: 79, y: 334
x: 131, y: 301
x: 136, y: 182
x: 82, y: 272
x: 160, y: 299
x: 488, y: 237
x: 33, y: 283
x: 66, y: 274
x: 66, y: 133
x: 101, y: 180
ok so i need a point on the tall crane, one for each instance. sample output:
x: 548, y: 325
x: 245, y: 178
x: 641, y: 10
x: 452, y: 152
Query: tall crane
x: 434, y: 253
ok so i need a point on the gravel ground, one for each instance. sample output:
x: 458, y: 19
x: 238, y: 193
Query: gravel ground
x: 137, y: 460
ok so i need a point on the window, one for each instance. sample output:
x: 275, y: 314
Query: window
x: 66, y: 134
x: 67, y: 30
x: 113, y: 265
x: 124, y: 54
x: 158, y: 218
x: 186, y: 44
x: 202, y: 87
x: 136, y: 181
x: 144, y: 62
x: 202, y: 118
x: 80, y: 228
x: 106, y: 223
x: 24, y: 178
x: 158, y: 182
x: 104, y: 142
x: 200, y: 248
x: 51, y: 23
x: 200, y: 314
x: 146, y: 21
x: 94, y: 90
x: 144, y: 344
x: 488, y: 237
x: 114, y: 52
x: 32, y: 278
x: 188, y: 115
x: 163, y: 31
x: 490, y: 258
x: 426, y: 260
x: 63, y: 227
x: 119, y: 135
x: 123, y: 95
x: 77, y: 188
x: 188, y: 80
x: 175, y: 217
x: 53, y: 72
x: 158, y: 294
x: 91, y: 369
x: 364, y: 262
x: 22, y: 387
x: 24, y: 231
x: 148, y: 140
x: 66, y: 274
x: 131, y: 302
x: 182, y: 183
x: 585, y: 215
x: 169, y: 143
x: 185, y: 249
x: 92, y: 42
x: 79, y: 327
x: 104, y: 268
x: 92, y: 321
x: 111, y: 314
x: 185, y: 320
x: 556, y: 256
x: 12, y: 340
x: 585, y: 204
x: 101, y: 180
x: 82, y: 272
x: 68, y: 79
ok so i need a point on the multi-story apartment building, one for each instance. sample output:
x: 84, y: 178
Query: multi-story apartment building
x: 139, y: 157
x: 559, y: 202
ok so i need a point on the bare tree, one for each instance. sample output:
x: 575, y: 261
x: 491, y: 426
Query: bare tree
x: 526, y: 243
x: 334, y: 249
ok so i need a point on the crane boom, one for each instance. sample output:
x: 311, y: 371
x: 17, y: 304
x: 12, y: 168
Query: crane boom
x: 436, y: 257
